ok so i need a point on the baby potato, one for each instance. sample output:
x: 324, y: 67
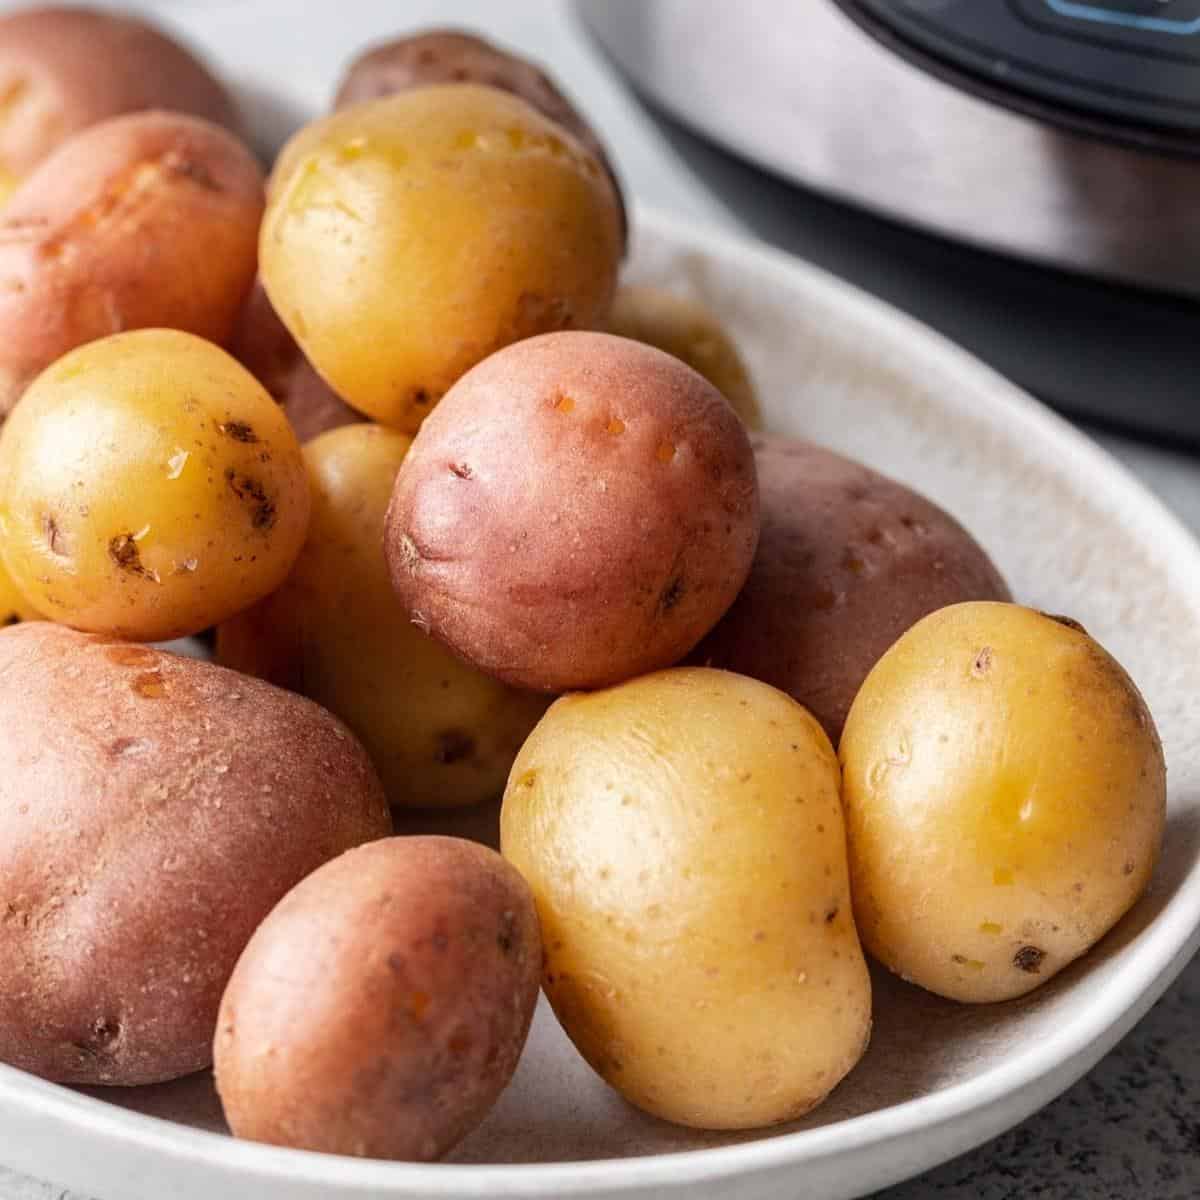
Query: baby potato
x: 847, y: 561
x: 683, y: 837
x: 63, y: 69
x: 408, y: 238
x: 1005, y: 797
x: 145, y: 220
x: 262, y: 344
x: 153, y: 810
x: 451, y: 56
x: 580, y: 509
x: 13, y: 606
x: 440, y: 733
x: 694, y: 335
x: 382, y: 1007
x: 149, y: 488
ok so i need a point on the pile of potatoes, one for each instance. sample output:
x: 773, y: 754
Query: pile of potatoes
x: 470, y: 518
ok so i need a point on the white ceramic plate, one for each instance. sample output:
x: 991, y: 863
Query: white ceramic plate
x: 1074, y: 534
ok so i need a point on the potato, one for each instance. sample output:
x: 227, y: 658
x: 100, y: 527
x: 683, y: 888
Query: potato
x: 153, y: 809
x: 1005, y: 796
x: 581, y: 508
x: 149, y: 488
x: 683, y: 837
x: 13, y: 606
x: 381, y: 1008
x: 440, y: 733
x: 262, y: 344
x: 145, y: 220
x: 63, y: 69
x: 449, y: 56
x: 847, y: 561
x: 408, y: 238
x: 693, y: 334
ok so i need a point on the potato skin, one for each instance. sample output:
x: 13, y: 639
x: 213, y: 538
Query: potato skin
x: 149, y: 488
x: 847, y: 561
x: 580, y: 509
x: 144, y: 220
x: 153, y: 809
x: 382, y: 1007
x: 694, y: 335
x: 65, y: 68
x: 440, y: 733
x: 683, y: 838
x: 451, y: 56
x: 455, y: 208
x: 13, y: 605
x: 262, y: 344
x: 1005, y: 795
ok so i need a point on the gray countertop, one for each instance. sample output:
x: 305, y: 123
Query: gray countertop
x: 1130, y: 1129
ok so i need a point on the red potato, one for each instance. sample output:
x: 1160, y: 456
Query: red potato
x: 381, y: 1008
x: 579, y: 509
x: 847, y: 562
x: 149, y: 220
x: 153, y: 809
x: 64, y: 68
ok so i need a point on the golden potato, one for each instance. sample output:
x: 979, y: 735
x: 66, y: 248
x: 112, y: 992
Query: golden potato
x: 142, y: 221
x: 408, y: 238
x: 1005, y: 796
x: 683, y: 837
x: 13, y: 606
x: 439, y: 732
x: 848, y: 560
x: 451, y: 56
x: 262, y: 344
x: 153, y: 810
x: 149, y: 488
x: 63, y: 69
x: 694, y: 335
x: 382, y: 1007
x: 580, y: 509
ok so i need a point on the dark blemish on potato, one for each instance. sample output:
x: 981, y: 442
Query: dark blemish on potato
x: 915, y: 526
x: 194, y: 172
x: 128, y: 747
x: 831, y: 914
x: 420, y: 397
x: 983, y: 663
x: 460, y: 1042
x: 960, y: 959
x: 1127, y: 869
x: 263, y: 512
x: 461, y: 470
x: 853, y: 563
x: 395, y: 962
x: 1069, y: 622
x: 239, y: 431
x: 453, y: 745
x: 55, y: 538
x: 123, y: 551
x: 10, y: 619
x: 671, y: 595
x: 1029, y: 959
x: 100, y: 1038
x: 505, y: 939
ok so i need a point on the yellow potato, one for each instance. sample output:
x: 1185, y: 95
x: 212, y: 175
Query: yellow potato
x: 149, y: 488
x: 1005, y: 796
x: 408, y: 238
x: 693, y: 334
x: 683, y: 837
x: 13, y: 606
x: 440, y: 733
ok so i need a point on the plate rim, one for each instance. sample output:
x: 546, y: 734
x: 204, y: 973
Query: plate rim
x: 1034, y: 1076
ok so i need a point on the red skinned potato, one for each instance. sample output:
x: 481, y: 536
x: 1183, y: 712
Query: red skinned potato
x: 262, y: 344
x: 148, y: 220
x: 153, y: 810
x: 451, y: 56
x: 381, y: 1009
x: 64, y: 68
x: 848, y: 560
x: 579, y: 509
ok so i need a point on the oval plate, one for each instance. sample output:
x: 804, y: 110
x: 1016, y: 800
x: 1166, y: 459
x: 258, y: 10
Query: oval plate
x: 1073, y: 533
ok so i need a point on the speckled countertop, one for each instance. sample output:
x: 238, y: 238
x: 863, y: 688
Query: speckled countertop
x: 1131, y: 1129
